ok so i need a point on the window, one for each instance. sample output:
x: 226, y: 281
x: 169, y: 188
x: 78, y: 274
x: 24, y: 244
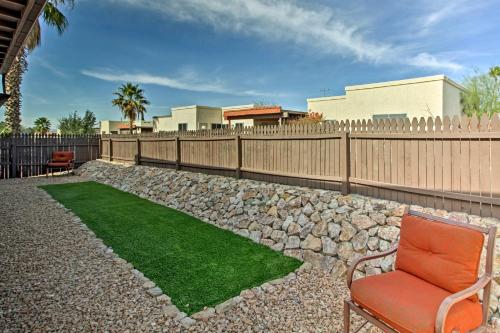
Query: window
x: 238, y: 125
x: 389, y: 116
x: 182, y: 127
x: 216, y: 126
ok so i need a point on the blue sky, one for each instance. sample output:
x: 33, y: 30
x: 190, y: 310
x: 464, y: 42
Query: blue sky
x: 222, y: 52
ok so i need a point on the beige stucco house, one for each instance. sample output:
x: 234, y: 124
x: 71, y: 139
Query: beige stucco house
x: 122, y: 127
x: 187, y: 118
x: 196, y: 117
x: 429, y: 96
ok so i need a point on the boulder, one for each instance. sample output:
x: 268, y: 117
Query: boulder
x: 312, y: 243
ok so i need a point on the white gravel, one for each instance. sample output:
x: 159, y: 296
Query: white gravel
x: 55, y: 277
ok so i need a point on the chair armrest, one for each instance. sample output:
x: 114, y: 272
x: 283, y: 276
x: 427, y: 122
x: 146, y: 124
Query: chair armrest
x: 358, y: 261
x: 451, y: 300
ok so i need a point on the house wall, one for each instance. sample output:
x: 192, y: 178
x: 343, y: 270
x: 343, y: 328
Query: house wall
x: 451, y: 99
x: 111, y: 126
x: 421, y: 97
x: 209, y: 116
x: 193, y: 116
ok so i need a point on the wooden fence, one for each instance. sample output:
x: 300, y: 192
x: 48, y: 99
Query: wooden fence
x: 444, y: 164
x: 27, y: 155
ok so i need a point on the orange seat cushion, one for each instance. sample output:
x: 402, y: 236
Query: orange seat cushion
x: 410, y: 304
x: 62, y: 156
x: 442, y: 254
x: 58, y: 164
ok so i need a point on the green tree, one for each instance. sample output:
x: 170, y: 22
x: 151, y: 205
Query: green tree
x: 42, y: 125
x: 131, y: 102
x: 4, y: 129
x: 52, y: 17
x: 482, y: 94
x: 73, y: 124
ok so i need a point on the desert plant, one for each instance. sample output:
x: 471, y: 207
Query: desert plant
x: 482, y: 94
x: 309, y: 118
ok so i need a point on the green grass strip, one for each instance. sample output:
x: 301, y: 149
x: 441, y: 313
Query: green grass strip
x: 195, y: 263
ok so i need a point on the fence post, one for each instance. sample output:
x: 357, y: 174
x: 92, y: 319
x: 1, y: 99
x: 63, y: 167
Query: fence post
x: 13, y: 159
x: 138, y: 155
x: 110, y: 149
x: 238, y: 156
x: 177, y: 153
x: 345, y: 162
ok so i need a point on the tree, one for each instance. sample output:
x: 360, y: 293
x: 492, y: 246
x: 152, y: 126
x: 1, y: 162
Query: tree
x: 73, y: 124
x: 482, y: 94
x: 131, y: 101
x: 309, y: 118
x: 4, y: 129
x: 53, y: 17
x: 42, y: 125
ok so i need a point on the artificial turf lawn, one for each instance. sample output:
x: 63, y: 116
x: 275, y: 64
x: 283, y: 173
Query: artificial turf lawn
x: 195, y: 263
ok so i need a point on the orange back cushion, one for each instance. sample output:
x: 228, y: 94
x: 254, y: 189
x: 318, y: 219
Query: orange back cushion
x: 62, y: 156
x: 442, y: 254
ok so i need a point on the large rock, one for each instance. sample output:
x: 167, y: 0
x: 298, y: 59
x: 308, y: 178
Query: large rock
x: 315, y: 217
x: 388, y: 233
x: 347, y: 232
x: 333, y: 230
x: 308, y: 209
x: 314, y: 258
x: 306, y: 230
x: 320, y: 229
x: 267, y: 231
x: 294, y: 229
x: 345, y: 251
x: 273, y: 211
x: 379, y: 218
x: 293, y: 242
x: 311, y: 243
x: 360, y: 240
x: 302, y: 220
x: 278, y: 236
x: 362, y: 222
x: 329, y: 246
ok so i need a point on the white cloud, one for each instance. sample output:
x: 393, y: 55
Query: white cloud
x: 429, y: 61
x: 320, y: 29
x: 188, y: 81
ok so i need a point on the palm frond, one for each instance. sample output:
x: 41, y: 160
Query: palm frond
x: 34, y: 38
x: 54, y: 17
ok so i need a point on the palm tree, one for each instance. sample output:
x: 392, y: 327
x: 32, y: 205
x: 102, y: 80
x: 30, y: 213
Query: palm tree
x: 42, y: 125
x: 53, y: 17
x: 131, y: 101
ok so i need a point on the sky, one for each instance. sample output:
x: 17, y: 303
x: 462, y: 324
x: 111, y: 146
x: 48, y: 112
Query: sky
x: 231, y: 52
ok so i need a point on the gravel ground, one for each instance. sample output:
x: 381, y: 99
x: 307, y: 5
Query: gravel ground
x: 55, y: 276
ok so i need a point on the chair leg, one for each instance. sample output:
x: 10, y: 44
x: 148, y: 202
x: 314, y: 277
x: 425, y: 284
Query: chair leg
x: 347, y: 317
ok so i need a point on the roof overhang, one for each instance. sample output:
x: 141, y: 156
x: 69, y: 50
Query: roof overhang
x: 259, y: 111
x: 17, y: 18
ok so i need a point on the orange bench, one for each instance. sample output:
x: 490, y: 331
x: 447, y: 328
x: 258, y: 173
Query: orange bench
x: 61, y: 160
x: 434, y: 286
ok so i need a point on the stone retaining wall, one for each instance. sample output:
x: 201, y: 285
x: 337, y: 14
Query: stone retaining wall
x: 322, y: 227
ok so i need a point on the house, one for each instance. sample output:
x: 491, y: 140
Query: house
x: 123, y: 127
x: 429, y: 96
x: 258, y: 115
x: 192, y: 117
x: 195, y: 117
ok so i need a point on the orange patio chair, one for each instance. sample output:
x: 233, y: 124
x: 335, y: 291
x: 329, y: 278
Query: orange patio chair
x: 434, y: 286
x: 63, y: 160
